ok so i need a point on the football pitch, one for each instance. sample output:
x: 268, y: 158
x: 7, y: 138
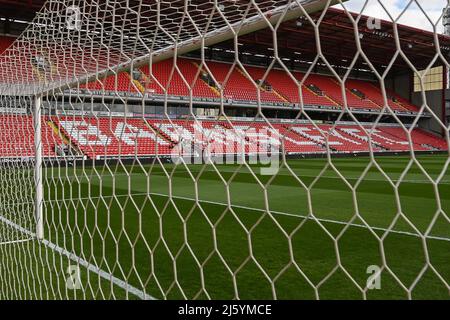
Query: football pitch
x: 314, y: 230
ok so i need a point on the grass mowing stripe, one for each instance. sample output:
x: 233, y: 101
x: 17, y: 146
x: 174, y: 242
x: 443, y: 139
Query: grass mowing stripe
x: 265, y: 211
x: 311, y: 177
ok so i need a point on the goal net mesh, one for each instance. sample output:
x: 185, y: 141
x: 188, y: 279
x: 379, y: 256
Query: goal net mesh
x: 224, y: 149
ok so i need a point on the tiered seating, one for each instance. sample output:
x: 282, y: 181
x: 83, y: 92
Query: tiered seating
x: 220, y: 137
x: 374, y: 93
x: 336, y: 139
x: 50, y: 139
x: 238, y: 87
x: 333, y: 89
x: 421, y: 139
x: 379, y: 138
x: 189, y: 137
x: 113, y: 137
x: 424, y: 138
x: 173, y: 82
x: 405, y: 104
x: 267, y: 137
x: 123, y: 83
x: 259, y: 137
x: 106, y: 137
x: 17, y: 137
x: 215, y: 137
x: 174, y: 131
x: 285, y: 85
x: 295, y: 143
x: 14, y: 71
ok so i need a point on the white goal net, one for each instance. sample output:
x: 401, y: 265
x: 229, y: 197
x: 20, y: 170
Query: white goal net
x: 225, y: 149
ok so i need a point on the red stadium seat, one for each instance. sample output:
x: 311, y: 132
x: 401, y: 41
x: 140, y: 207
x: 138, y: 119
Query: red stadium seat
x: 177, y: 83
x: 5, y: 42
x: 279, y: 87
x: 17, y: 137
x: 113, y: 137
x: 237, y: 86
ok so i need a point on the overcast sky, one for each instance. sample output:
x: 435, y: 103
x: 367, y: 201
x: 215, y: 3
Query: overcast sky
x: 413, y: 16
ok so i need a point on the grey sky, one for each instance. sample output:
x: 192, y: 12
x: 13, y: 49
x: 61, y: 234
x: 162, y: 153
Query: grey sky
x: 412, y: 15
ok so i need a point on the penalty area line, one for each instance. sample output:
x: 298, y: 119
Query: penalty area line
x: 80, y: 261
x: 310, y: 218
x: 279, y: 213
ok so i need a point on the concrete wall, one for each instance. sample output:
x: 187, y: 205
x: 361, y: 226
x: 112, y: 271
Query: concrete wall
x: 434, y: 101
x: 402, y: 84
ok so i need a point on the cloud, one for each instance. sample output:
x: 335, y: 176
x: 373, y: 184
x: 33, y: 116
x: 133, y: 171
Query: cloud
x: 406, y: 12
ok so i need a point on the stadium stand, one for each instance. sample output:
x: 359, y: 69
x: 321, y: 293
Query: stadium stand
x: 122, y: 82
x: 176, y: 80
x: 266, y: 137
x: 422, y: 140
x: 278, y: 87
x: 17, y: 137
x: 402, y: 102
x: 285, y: 86
x: 294, y: 143
x: 107, y: 137
x: 237, y: 85
x: 327, y: 135
x: 110, y: 137
x: 333, y: 89
x: 379, y: 139
x: 192, y: 136
x: 374, y: 94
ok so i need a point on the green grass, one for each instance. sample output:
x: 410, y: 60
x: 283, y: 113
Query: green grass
x: 224, y: 232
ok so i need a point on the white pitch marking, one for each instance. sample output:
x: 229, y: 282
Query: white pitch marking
x: 103, y: 274
x: 281, y: 214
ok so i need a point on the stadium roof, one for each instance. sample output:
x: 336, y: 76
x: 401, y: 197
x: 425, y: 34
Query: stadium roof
x: 126, y: 39
x: 296, y: 40
x: 20, y: 10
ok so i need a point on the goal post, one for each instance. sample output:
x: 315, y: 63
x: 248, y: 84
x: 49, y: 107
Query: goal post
x: 38, y: 167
